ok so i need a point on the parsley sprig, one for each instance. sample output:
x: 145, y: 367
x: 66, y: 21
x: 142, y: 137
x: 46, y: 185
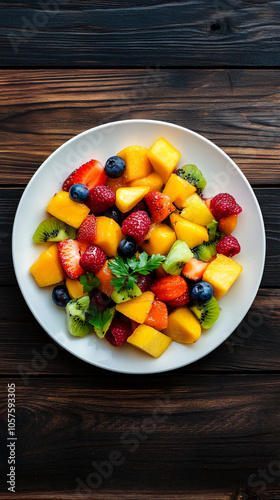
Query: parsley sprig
x: 125, y: 272
x: 89, y: 282
x: 100, y: 321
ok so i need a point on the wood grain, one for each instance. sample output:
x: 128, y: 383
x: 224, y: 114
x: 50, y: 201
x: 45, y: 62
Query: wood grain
x: 142, y: 33
x: 237, y: 109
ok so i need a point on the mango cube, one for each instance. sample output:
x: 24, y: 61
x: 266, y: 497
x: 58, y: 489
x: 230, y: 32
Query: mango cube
x: 193, y: 234
x: 75, y: 289
x: 196, y: 211
x: 178, y: 190
x: 127, y: 198
x: 47, y: 269
x: 108, y: 235
x: 153, y: 181
x: 183, y: 327
x: 222, y: 273
x: 164, y: 158
x: 63, y: 208
x: 137, y: 163
x: 159, y: 239
x: 115, y: 184
x: 149, y: 340
x: 138, y: 308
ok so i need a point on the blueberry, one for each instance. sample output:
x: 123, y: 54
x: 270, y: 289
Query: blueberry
x: 60, y: 296
x: 127, y: 248
x: 202, y: 292
x: 114, y: 213
x: 114, y: 167
x: 79, y: 192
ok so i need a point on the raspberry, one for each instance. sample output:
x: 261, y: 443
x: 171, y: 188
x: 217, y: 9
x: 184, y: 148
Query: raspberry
x: 169, y: 288
x: 141, y: 205
x: 180, y: 301
x: 93, y: 259
x: 228, y: 246
x: 224, y: 205
x: 87, y: 230
x: 137, y: 225
x: 144, y: 281
x: 101, y: 198
x: 119, y: 332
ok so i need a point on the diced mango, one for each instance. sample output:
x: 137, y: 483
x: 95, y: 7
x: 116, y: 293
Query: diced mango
x: 63, y: 208
x: 137, y: 163
x: 227, y: 225
x: 183, y: 327
x: 138, y: 308
x: 164, y: 158
x: 127, y: 198
x: 195, y: 210
x: 108, y: 235
x: 75, y: 289
x: 178, y: 190
x: 105, y: 275
x: 115, y: 184
x: 222, y: 273
x: 193, y: 234
x: 149, y: 340
x: 47, y: 269
x: 153, y: 181
x: 159, y: 239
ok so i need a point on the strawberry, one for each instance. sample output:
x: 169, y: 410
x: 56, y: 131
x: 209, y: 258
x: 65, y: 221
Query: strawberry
x: 180, y: 301
x: 69, y: 253
x: 93, y: 259
x: 137, y: 225
x: 194, y: 269
x: 169, y: 288
x: 87, y: 230
x: 91, y: 174
x: 159, y: 205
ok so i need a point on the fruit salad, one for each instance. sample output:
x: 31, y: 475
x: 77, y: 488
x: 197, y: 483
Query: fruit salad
x: 137, y: 252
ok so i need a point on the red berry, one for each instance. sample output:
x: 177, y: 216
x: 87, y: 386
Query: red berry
x: 180, y: 301
x: 169, y: 288
x: 87, y: 230
x: 93, y: 259
x: 141, y: 205
x: 91, y: 174
x: 159, y: 205
x: 224, y: 205
x: 144, y: 282
x: 137, y: 225
x: 101, y: 198
x: 100, y: 300
x: 228, y: 246
x: 119, y: 332
x: 69, y: 253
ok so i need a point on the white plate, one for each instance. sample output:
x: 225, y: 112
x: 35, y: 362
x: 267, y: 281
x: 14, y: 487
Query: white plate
x: 101, y: 142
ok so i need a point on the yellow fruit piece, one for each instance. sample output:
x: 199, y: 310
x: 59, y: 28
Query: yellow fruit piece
x: 138, y: 308
x: 75, y: 289
x: 137, y: 163
x: 193, y: 234
x: 153, y: 181
x: 159, y: 239
x: 127, y: 198
x: 47, y: 270
x: 63, y: 208
x: 164, y: 158
x: 183, y: 327
x: 196, y: 211
x: 115, y: 184
x: 222, y: 273
x: 178, y: 190
x: 149, y: 340
x: 108, y: 235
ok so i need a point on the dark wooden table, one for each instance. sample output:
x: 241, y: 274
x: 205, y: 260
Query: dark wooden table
x: 210, y: 66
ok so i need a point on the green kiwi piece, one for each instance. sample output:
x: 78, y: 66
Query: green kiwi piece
x: 101, y: 332
x: 125, y: 294
x: 53, y: 229
x: 76, y: 310
x: 193, y: 175
x: 178, y: 256
x: 205, y: 251
x: 212, y: 230
x: 206, y: 313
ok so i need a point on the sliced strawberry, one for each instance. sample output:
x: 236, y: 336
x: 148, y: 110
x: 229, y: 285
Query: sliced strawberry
x: 69, y: 253
x: 87, y: 230
x: 91, y: 174
x: 159, y: 205
x: 194, y: 269
x: 168, y: 288
x: 180, y: 301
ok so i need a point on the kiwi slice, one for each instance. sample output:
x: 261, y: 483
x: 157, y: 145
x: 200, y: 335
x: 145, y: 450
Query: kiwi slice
x: 53, y: 230
x: 178, y: 256
x: 193, y: 175
x: 205, y: 251
x: 125, y: 294
x: 76, y: 322
x: 206, y: 313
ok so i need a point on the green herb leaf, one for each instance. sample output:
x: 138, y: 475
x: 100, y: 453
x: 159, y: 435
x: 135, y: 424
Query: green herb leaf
x: 101, y: 322
x: 89, y: 282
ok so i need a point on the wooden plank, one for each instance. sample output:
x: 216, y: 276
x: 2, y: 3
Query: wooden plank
x: 146, y: 32
x: 178, y: 434
x: 237, y: 109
